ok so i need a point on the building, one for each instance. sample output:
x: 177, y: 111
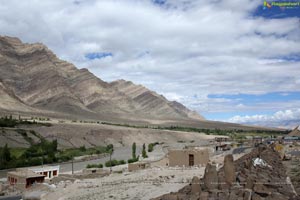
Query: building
x: 49, y: 171
x: 257, y: 140
x: 188, y: 157
x: 223, y: 147
x: 137, y: 166
x: 291, y: 139
x: 222, y: 139
x: 24, y: 178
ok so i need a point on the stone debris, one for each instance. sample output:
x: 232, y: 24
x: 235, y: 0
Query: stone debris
x: 241, y: 180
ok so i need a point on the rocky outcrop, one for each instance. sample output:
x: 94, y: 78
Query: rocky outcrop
x: 229, y: 169
x: 210, y: 178
x: 37, y: 80
x: 242, y: 180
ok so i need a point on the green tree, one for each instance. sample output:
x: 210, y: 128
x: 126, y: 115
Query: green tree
x: 150, y: 147
x: 144, y: 153
x: 134, y: 150
x: 6, y: 157
x: 54, y: 145
x: 110, y: 150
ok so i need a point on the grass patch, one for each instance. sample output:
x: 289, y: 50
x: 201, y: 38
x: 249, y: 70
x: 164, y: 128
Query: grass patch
x: 201, y: 130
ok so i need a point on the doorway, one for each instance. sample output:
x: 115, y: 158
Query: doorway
x: 191, y: 159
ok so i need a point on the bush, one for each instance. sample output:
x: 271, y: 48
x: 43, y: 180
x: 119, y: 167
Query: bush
x: 94, y: 165
x: 122, y: 162
x: 82, y: 148
x: 132, y: 160
x: 114, y: 162
x: 151, y: 146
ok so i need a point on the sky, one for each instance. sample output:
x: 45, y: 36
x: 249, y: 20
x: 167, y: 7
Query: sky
x: 230, y: 60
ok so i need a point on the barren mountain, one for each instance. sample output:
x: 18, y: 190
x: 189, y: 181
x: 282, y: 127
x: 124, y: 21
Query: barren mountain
x: 151, y: 102
x: 33, y: 79
x: 295, y: 132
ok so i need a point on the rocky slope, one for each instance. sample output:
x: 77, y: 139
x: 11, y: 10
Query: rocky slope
x: 33, y: 79
x: 295, y: 132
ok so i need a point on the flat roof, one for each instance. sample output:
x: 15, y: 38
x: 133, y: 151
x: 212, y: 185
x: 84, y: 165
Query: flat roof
x: 25, y: 174
x: 44, y: 168
x: 190, y: 149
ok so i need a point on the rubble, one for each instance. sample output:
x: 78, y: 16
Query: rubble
x: 242, y: 180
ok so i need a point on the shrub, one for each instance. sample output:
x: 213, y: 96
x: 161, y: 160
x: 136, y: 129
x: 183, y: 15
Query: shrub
x: 94, y: 165
x: 132, y: 160
x: 122, y: 162
x: 144, y: 153
x: 150, y: 147
x: 82, y: 148
x: 114, y: 162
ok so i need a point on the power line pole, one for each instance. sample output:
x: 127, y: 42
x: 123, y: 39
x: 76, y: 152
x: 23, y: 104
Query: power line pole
x: 72, y: 165
x: 110, y: 169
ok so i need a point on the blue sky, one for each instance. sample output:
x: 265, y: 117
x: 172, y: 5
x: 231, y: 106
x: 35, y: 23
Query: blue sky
x: 98, y: 55
x: 226, y: 59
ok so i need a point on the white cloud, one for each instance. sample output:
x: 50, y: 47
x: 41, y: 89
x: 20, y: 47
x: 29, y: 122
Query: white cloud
x: 193, y: 47
x: 285, y: 118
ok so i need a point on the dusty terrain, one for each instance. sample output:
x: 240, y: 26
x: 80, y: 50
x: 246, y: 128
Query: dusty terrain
x: 79, y: 134
x: 144, y: 184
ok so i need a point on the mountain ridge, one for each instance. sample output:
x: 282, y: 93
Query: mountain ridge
x: 39, y: 81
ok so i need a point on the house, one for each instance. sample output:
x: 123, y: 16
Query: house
x: 291, y: 139
x: 223, y: 147
x: 137, y: 166
x: 23, y: 178
x: 49, y: 171
x: 257, y: 140
x: 222, y: 139
x: 188, y: 157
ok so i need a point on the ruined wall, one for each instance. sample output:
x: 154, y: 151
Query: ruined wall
x: 241, y: 180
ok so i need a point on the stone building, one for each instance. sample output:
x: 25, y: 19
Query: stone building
x: 23, y: 178
x: 188, y: 157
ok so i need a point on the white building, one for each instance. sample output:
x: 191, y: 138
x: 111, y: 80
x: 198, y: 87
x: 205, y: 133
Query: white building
x: 48, y: 171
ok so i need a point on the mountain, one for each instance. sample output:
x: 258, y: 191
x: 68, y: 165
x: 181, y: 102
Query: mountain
x: 34, y: 80
x: 150, y: 102
x: 295, y: 132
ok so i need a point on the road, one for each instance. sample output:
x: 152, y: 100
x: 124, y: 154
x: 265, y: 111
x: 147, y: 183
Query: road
x: 120, y: 153
x: 11, y: 198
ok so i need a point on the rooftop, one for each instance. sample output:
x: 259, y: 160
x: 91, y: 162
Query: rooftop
x: 25, y: 173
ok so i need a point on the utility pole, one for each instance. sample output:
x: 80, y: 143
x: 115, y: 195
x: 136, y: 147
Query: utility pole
x: 110, y: 169
x: 72, y: 165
